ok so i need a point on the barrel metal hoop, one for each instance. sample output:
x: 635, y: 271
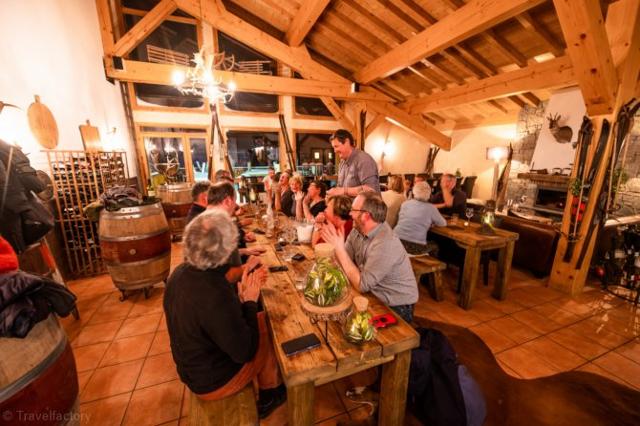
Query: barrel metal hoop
x: 133, y: 237
x: 34, y: 373
x: 140, y: 262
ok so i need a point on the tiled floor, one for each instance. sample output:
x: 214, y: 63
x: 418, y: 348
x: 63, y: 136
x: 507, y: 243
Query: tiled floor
x: 127, y: 375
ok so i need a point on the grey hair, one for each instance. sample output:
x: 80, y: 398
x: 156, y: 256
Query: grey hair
x: 374, y: 205
x: 210, y: 239
x: 422, y: 191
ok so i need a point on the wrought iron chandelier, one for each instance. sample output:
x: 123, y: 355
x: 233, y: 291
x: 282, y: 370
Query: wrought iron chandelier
x: 201, y: 81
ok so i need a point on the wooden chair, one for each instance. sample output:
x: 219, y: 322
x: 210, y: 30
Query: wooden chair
x: 432, y: 267
x: 236, y: 410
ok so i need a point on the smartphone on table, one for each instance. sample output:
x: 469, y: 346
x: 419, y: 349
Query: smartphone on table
x: 300, y: 344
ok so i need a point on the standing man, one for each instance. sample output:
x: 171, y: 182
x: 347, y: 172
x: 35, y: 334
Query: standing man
x: 357, y: 172
x: 373, y: 257
x: 199, y: 197
x: 449, y: 200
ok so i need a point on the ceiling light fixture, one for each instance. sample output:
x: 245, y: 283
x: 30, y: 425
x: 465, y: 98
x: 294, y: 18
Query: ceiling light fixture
x: 201, y: 80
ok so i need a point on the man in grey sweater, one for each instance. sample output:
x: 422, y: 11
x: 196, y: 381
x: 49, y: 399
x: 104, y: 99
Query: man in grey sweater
x: 373, y: 257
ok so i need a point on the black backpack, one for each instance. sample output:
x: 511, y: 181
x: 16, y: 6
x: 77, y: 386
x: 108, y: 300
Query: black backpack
x: 441, y: 391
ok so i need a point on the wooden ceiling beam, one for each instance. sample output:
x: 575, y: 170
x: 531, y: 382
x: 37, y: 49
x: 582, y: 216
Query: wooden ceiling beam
x: 411, y: 123
x: 584, y: 32
x: 304, y: 20
x: 554, y: 73
x: 338, y: 113
x: 106, y: 26
x: 471, y: 19
x: 533, y: 99
x: 144, y: 27
x: 526, y: 20
x: 445, y: 74
x: 140, y: 12
x: 151, y: 73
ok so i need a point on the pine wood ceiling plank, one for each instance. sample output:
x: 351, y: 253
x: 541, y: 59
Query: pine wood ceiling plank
x: 273, y: 27
x: 422, y: 75
x: 304, y: 20
x: 529, y: 23
x: 472, y: 18
x: 497, y: 105
x: 342, y: 46
x: 532, y: 98
x: 398, y: 12
x: 504, y: 47
x: 479, y: 60
x: 144, y: 27
x: 379, y: 23
x: 384, y: 88
x: 430, y: 75
x: 331, y: 49
x: 455, y: 56
x: 584, y: 31
x: 553, y: 73
x: 344, y: 36
x: 430, y: 19
x: 357, y: 28
x: 441, y: 71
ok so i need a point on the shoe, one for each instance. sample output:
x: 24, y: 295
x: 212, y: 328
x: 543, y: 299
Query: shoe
x: 270, y: 399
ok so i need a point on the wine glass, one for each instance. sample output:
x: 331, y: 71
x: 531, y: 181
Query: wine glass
x: 469, y: 214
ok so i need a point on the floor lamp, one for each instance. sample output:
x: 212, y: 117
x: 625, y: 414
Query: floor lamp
x: 497, y: 154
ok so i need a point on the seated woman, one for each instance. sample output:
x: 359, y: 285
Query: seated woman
x: 219, y: 341
x: 338, y: 213
x: 313, y: 204
x: 393, y: 198
x: 415, y: 218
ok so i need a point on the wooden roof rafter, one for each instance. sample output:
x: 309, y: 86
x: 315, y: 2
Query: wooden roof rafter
x: 304, y: 20
x: 471, y: 19
x: 144, y: 27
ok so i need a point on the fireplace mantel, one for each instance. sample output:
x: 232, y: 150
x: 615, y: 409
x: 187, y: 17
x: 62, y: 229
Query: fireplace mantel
x: 552, y: 181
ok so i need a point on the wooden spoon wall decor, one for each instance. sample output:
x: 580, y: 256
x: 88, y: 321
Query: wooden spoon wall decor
x: 42, y: 124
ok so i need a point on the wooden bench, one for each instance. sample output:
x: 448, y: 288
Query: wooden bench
x: 236, y: 410
x: 432, y: 267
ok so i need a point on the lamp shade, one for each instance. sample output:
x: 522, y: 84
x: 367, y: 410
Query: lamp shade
x: 497, y: 153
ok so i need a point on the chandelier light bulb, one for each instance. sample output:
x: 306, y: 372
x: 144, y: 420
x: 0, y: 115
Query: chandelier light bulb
x: 177, y: 77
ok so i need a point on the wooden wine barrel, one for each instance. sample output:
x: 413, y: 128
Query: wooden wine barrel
x: 176, y: 202
x: 38, y: 378
x: 136, y: 246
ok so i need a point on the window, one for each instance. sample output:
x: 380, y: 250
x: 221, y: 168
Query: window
x: 247, y: 60
x: 314, y: 148
x: 250, y: 150
x: 311, y: 106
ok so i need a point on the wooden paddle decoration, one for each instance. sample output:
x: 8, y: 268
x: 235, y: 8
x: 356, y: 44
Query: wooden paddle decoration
x: 42, y: 124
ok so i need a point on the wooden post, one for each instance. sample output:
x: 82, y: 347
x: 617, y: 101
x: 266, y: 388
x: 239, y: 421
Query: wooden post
x: 622, y: 16
x: 393, y: 395
x: 300, y: 404
x: 505, y: 257
x: 470, y: 276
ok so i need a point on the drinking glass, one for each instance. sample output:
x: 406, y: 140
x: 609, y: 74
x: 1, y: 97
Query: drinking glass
x: 469, y: 214
x: 454, y: 219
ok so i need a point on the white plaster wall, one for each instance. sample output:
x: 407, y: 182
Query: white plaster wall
x: 548, y: 154
x: 409, y: 153
x: 52, y: 48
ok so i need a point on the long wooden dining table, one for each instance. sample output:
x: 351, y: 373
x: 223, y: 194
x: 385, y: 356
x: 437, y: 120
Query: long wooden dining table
x: 474, y: 243
x: 336, y: 357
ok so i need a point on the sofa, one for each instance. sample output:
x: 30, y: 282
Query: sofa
x: 536, y: 246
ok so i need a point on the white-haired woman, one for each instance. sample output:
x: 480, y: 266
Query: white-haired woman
x: 219, y: 341
x: 415, y: 218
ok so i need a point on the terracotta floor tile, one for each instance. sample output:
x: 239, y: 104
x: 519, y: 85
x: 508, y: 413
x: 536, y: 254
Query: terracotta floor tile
x: 554, y: 354
x: 163, y: 324
x: 557, y: 314
x: 112, y: 380
x: 485, y: 311
x: 507, y: 306
x: 510, y: 371
x: 327, y: 403
x: 631, y: 350
x: 110, y: 312
x: 593, y: 330
x: 513, y: 329
x: 535, y: 321
x: 581, y: 309
x: 91, y: 334
x: 161, y: 343
x: 155, y: 405
x: 620, y: 366
x: 496, y: 341
x: 157, y: 369
x: 460, y: 317
x: 526, y: 363
x: 629, y: 327
x: 89, y: 303
x: 83, y: 379
x: 148, y: 306
x: 577, y: 343
x: 139, y: 325
x: 530, y: 296
x: 88, y: 357
x: 104, y: 412
x: 593, y: 368
x: 127, y: 349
